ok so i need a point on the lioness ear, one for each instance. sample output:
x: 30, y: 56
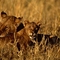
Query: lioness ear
x: 3, y: 14
x: 18, y: 20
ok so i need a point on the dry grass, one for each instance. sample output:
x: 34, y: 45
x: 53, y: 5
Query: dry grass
x: 45, y: 11
x: 39, y: 52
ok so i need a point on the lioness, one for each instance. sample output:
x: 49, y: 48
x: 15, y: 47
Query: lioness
x: 8, y: 24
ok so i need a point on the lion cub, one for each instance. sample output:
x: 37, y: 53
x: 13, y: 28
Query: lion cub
x: 26, y: 35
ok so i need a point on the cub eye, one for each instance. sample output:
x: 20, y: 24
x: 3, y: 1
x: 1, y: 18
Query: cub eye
x: 29, y: 26
x: 36, y: 29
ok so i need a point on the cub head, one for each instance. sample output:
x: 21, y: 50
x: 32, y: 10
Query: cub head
x: 31, y: 28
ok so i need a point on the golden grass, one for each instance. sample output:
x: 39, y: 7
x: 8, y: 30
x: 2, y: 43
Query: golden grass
x: 45, y: 11
x: 39, y: 52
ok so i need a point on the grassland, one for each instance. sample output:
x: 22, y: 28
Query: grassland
x: 45, y: 11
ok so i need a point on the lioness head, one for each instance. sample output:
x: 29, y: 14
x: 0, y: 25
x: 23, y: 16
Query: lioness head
x: 10, y: 22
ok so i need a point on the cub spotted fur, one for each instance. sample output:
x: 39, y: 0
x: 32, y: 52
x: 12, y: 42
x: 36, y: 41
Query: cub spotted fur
x: 26, y: 35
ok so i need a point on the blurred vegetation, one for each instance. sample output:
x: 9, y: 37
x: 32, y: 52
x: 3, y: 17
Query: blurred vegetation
x: 45, y: 11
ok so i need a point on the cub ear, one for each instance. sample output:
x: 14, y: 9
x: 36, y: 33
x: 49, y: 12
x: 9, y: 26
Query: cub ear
x: 20, y: 18
x: 39, y: 24
x: 26, y: 22
x: 3, y: 14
